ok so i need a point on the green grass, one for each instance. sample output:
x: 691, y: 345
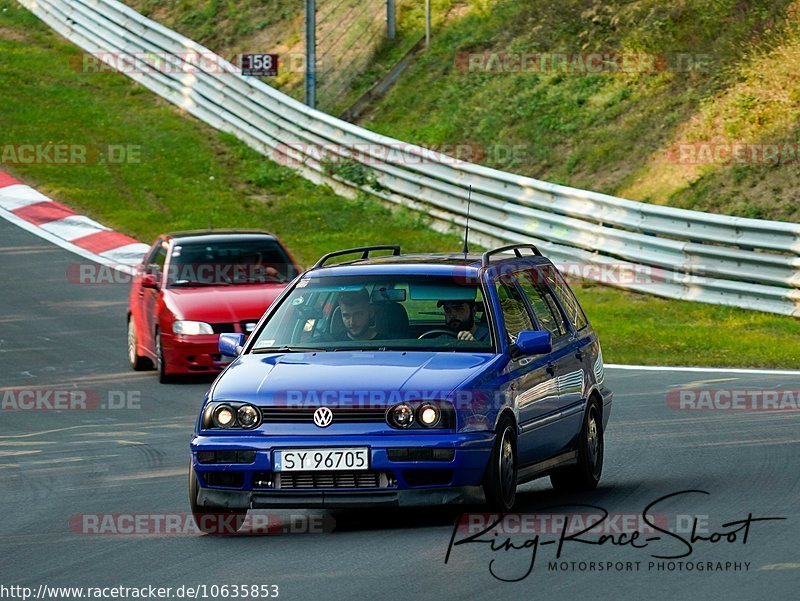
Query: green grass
x: 191, y: 175
x: 219, y: 23
x: 611, y: 132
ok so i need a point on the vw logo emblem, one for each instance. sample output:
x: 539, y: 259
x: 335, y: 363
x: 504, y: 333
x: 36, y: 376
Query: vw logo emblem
x: 323, y: 417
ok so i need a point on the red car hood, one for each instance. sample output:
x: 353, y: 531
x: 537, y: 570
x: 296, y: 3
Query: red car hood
x: 222, y: 304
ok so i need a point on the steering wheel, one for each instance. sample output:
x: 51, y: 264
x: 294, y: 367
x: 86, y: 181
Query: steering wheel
x: 437, y: 331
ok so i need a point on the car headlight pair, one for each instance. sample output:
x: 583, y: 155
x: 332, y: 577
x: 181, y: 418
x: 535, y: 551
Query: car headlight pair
x: 191, y: 328
x: 404, y: 415
x: 226, y: 417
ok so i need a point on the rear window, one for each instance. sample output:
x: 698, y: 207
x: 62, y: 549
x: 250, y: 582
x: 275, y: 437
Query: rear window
x: 543, y: 303
x: 566, y: 297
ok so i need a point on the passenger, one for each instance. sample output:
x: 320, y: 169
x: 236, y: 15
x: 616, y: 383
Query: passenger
x: 358, y: 315
x: 459, y: 316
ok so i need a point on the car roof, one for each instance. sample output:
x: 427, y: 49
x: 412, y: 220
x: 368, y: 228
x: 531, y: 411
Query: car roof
x: 429, y: 263
x: 212, y: 236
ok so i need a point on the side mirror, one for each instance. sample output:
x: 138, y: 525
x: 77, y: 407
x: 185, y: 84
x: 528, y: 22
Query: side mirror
x: 149, y: 280
x: 534, y: 342
x: 230, y: 345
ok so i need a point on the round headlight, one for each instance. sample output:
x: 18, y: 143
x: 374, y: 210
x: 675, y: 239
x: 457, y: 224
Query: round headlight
x: 248, y: 416
x: 429, y: 415
x: 403, y: 416
x: 224, y: 416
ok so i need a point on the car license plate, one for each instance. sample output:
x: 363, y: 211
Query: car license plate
x: 321, y: 460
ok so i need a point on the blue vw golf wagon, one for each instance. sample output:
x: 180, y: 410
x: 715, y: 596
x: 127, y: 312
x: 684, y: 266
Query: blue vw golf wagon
x: 398, y: 379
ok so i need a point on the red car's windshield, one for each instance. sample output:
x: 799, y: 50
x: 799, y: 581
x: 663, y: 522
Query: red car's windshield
x: 228, y: 263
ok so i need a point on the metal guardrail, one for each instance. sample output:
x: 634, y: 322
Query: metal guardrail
x: 683, y: 254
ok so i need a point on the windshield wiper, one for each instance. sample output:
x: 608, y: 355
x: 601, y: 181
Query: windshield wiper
x: 273, y: 280
x: 188, y: 284
x: 287, y: 349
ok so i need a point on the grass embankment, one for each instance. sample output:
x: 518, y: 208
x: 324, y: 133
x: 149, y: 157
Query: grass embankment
x: 729, y: 77
x: 190, y: 175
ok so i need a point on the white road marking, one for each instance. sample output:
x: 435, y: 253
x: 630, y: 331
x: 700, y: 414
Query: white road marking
x: 705, y: 370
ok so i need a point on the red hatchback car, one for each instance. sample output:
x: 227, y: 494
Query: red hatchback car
x: 193, y: 286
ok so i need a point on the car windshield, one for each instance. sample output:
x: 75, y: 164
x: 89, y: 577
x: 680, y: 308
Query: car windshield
x: 402, y: 312
x: 229, y: 263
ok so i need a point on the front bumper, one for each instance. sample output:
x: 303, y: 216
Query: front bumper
x: 330, y: 499
x: 193, y: 354
x: 454, y: 481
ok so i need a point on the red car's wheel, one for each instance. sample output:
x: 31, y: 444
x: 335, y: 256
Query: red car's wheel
x: 161, y: 364
x: 138, y: 363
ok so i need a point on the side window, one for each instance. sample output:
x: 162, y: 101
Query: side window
x: 566, y: 298
x: 151, y: 254
x: 158, y: 259
x: 543, y: 304
x: 515, y: 314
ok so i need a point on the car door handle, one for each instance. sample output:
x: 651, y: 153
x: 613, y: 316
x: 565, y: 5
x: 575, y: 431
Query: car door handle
x: 551, y: 369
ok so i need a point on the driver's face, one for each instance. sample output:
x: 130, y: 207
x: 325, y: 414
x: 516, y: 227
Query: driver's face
x: 356, y: 319
x: 458, y: 316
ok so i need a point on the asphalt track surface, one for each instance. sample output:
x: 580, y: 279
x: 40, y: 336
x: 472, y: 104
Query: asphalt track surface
x: 56, y: 465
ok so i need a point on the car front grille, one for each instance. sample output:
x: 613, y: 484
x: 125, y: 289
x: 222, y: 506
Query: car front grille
x: 305, y: 415
x: 223, y: 328
x: 315, y: 480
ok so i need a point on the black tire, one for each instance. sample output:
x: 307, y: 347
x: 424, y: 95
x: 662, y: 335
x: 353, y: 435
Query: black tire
x: 500, y: 481
x: 161, y: 365
x: 217, y: 520
x: 585, y: 475
x: 137, y: 362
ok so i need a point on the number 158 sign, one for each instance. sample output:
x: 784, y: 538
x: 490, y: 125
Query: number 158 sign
x: 265, y: 65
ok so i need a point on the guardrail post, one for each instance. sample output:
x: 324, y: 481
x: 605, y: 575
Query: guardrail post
x: 427, y: 23
x: 391, y: 19
x: 311, y: 53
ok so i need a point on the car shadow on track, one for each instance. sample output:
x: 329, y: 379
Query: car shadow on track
x: 528, y: 501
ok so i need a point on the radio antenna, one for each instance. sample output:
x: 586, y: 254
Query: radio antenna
x: 466, y: 232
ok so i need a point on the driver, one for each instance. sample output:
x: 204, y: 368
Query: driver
x: 358, y: 315
x: 459, y: 317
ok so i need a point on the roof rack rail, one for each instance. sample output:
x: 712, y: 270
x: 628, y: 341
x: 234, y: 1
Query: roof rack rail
x: 364, y: 250
x: 487, y: 256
